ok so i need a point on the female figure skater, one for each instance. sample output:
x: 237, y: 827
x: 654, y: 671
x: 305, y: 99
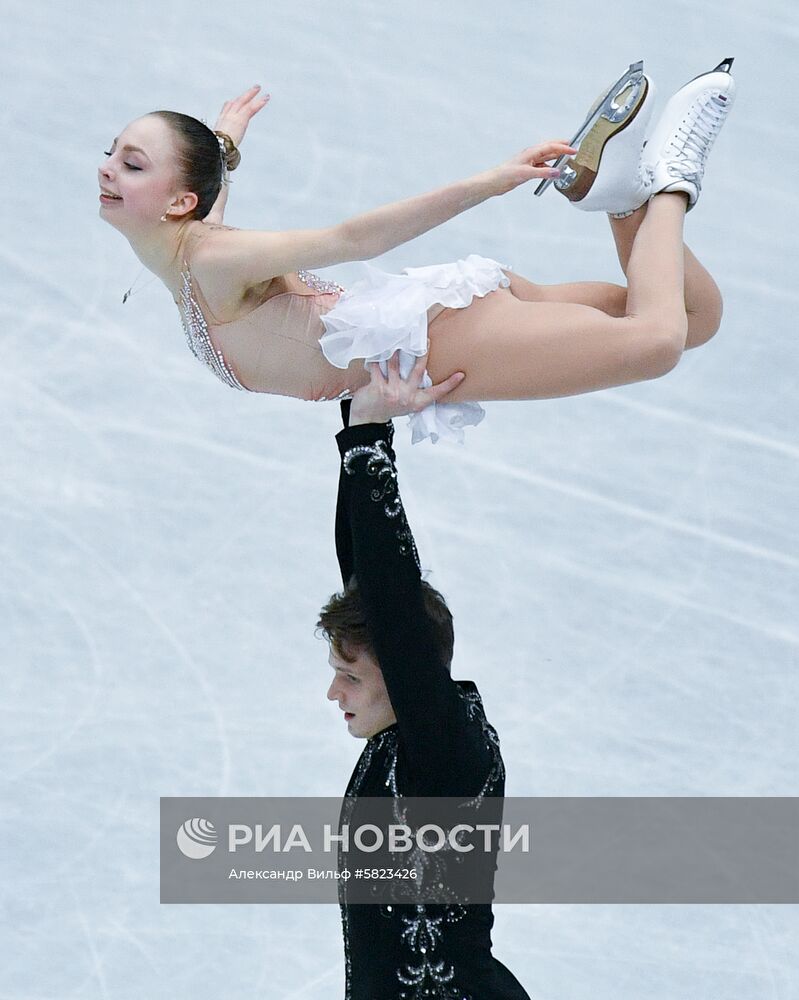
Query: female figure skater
x: 254, y: 314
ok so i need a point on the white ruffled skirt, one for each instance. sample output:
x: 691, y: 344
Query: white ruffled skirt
x: 382, y: 312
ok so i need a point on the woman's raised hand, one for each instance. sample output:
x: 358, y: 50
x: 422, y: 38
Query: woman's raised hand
x: 236, y: 114
x: 531, y: 163
x: 391, y: 395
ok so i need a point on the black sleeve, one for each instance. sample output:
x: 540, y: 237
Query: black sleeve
x: 375, y: 543
x: 343, y: 534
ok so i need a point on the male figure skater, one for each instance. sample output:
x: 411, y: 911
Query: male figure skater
x: 390, y: 636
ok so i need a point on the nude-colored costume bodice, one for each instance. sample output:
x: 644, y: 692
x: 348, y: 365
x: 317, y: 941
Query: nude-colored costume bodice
x: 275, y: 347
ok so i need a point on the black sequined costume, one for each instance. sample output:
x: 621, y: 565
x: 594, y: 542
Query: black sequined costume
x: 441, y: 745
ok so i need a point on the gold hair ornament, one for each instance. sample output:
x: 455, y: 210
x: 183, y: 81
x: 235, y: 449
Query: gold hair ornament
x: 231, y: 157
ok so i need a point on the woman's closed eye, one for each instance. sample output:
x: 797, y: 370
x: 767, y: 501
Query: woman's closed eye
x: 130, y: 166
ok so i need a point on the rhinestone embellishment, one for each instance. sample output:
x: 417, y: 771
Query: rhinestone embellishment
x: 380, y: 466
x: 197, y: 336
x: 319, y: 284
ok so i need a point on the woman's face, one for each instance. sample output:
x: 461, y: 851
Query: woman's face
x: 139, y: 178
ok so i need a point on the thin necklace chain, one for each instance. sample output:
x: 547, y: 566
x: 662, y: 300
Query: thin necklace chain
x: 133, y: 290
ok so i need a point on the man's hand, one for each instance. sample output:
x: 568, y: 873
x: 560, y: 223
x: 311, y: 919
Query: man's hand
x: 390, y: 395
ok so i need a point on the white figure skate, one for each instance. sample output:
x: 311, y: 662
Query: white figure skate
x: 674, y: 157
x: 604, y: 175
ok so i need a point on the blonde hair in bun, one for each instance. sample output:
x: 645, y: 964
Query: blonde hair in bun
x: 231, y: 157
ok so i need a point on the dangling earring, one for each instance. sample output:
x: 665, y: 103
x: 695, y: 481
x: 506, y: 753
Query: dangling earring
x: 163, y: 217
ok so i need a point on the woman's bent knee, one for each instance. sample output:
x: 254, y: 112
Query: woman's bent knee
x: 703, y: 326
x: 663, y: 352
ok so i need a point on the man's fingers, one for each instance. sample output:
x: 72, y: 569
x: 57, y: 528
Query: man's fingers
x: 436, y: 392
x: 419, y: 367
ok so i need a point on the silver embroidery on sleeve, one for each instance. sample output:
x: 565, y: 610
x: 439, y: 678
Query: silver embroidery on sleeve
x: 496, y: 773
x: 380, y: 466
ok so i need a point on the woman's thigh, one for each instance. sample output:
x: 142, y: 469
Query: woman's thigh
x: 610, y: 298
x: 514, y: 348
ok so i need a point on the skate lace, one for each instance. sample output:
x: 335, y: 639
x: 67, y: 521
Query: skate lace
x: 695, y: 137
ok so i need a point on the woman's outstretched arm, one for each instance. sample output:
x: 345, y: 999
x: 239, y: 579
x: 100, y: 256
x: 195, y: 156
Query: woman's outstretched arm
x: 375, y: 232
x: 244, y: 258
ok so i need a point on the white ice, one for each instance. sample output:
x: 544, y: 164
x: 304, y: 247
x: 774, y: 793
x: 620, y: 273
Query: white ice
x: 622, y: 566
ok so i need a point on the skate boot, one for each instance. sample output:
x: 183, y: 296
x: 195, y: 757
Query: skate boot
x: 605, y: 175
x: 675, y: 155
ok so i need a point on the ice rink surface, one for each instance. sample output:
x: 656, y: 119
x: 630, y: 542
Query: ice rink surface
x: 622, y: 566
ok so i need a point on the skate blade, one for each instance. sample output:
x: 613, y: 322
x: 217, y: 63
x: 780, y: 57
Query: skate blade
x: 579, y: 173
x: 725, y: 66
x: 634, y: 75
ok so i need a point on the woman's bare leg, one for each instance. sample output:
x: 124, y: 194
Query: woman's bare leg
x: 511, y: 348
x: 703, y: 304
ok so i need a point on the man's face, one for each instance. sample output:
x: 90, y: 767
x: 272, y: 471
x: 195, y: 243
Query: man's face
x: 360, y: 691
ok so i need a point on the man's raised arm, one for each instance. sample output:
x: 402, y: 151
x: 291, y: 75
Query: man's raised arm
x: 375, y: 544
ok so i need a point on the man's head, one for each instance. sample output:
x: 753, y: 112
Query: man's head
x: 358, y: 685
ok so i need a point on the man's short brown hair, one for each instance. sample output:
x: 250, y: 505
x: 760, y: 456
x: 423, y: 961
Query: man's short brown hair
x: 343, y: 623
